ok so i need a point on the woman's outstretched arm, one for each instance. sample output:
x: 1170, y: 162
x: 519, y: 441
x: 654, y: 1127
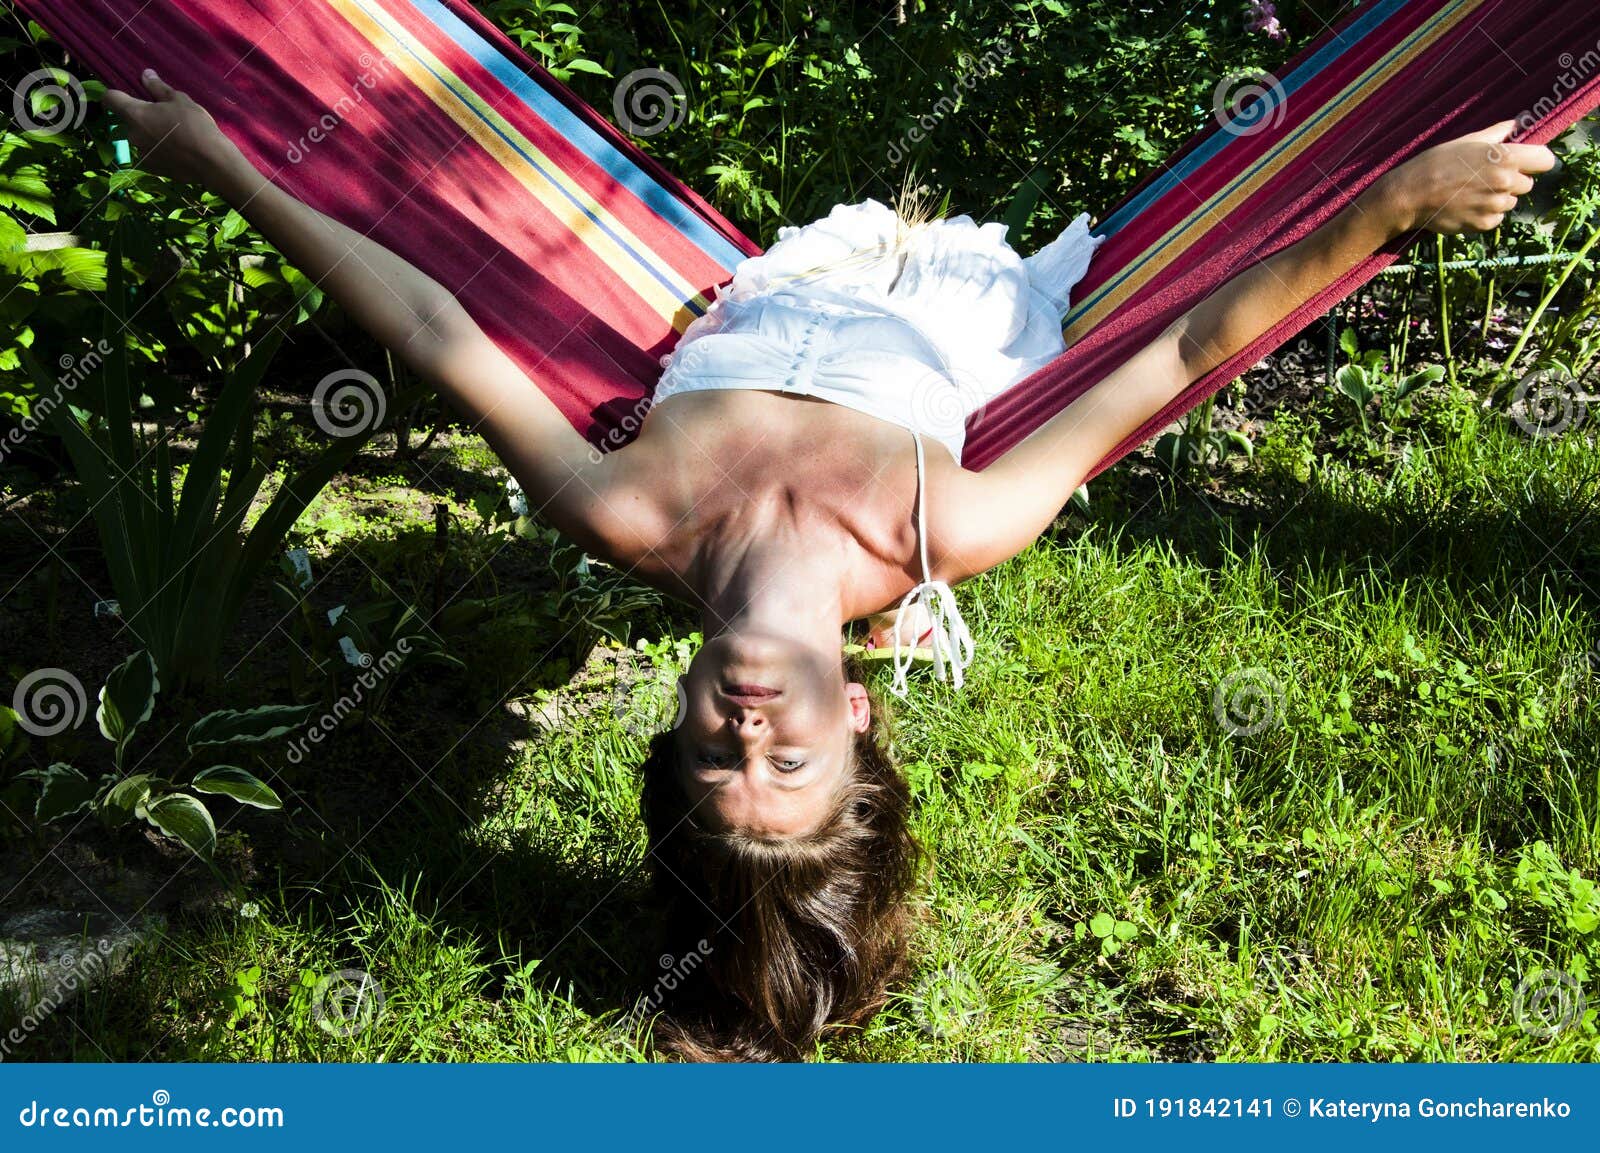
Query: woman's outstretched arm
x: 1466, y: 185
x: 402, y: 307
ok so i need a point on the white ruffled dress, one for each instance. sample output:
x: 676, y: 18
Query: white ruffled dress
x: 920, y: 325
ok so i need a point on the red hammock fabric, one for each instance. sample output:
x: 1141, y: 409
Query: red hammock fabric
x: 420, y: 124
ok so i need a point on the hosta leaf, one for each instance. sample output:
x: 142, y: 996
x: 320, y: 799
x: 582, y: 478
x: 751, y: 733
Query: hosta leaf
x: 1169, y: 451
x: 1352, y: 381
x: 128, y: 699
x: 230, y: 781
x: 127, y: 795
x: 64, y: 791
x: 11, y: 735
x: 251, y: 726
x: 180, y: 816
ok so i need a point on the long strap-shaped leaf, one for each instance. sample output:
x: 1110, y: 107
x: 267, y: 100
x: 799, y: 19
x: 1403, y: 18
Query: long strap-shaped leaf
x: 202, y: 487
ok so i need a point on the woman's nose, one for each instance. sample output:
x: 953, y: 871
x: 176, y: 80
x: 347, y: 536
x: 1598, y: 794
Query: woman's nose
x: 747, y: 722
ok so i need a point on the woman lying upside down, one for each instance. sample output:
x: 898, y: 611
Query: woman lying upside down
x: 801, y: 470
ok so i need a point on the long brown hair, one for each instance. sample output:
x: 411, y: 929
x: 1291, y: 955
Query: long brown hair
x: 794, y: 936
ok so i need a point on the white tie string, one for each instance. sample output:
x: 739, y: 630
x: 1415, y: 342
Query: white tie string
x: 952, y: 641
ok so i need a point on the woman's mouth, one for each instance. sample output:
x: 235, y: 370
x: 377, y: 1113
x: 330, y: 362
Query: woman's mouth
x: 750, y: 695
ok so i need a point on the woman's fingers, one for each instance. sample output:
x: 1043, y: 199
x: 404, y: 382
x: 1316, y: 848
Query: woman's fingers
x: 156, y: 86
x: 1494, y: 134
x: 1529, y: 158
x: 119, y: 102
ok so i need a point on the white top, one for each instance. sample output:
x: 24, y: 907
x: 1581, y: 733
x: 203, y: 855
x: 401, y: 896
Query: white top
x: 920, y: 325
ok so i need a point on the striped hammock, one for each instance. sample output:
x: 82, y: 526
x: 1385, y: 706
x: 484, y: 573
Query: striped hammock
x: 420, y: 124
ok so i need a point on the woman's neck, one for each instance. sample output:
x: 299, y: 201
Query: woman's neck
x: 764, y: 572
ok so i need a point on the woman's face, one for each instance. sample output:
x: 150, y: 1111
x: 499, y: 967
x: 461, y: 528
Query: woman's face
x: 766, y: 734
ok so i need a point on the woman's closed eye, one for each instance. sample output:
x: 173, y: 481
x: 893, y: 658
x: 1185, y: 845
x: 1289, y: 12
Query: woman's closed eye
x: 718, y: 759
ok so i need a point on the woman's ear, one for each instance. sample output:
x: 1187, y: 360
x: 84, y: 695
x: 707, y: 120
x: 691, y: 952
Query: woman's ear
x: 860, y: 706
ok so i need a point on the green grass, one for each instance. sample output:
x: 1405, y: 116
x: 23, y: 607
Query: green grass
x: 1114, y: 874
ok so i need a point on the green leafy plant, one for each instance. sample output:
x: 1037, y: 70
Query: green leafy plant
x: 1368, y: 383
x: 180, y: 562
x: 1199, y: 445
x: 127, y: 702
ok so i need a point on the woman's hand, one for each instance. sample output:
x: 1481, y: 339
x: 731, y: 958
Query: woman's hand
x: 1467, y: 185
x: 175, y: 136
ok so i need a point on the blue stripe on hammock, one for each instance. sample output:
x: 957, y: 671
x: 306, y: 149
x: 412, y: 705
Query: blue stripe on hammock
x: 641, y: 259
x: 1207, y: 152
x: 1323, y: 112
x: 616, y: 163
